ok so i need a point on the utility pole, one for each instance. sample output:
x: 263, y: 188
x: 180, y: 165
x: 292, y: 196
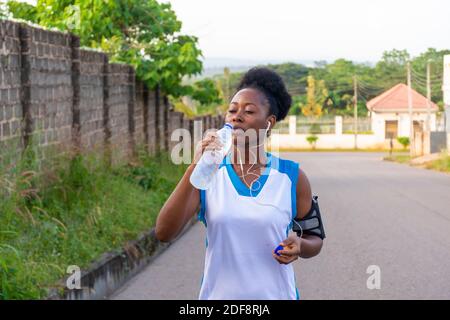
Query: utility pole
x: 428, y: 124
x: 428, y: 128
x: 446, y: 93
x: 355, y: 117
x: 411, y: 126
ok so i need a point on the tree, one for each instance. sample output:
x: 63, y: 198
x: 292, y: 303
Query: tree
x: 316, y: 93
x: 206, y: 92
x: 419, y: 69
x: 293, y: 74
x: 297, y: 102
x: 3, y: 10
x: 392, y: 66
x: 145, y: 34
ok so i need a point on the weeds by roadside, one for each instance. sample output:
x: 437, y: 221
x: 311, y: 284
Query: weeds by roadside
x: 72, y: 211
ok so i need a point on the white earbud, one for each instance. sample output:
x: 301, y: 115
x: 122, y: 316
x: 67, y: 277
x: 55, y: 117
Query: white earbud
x: 268, y: 125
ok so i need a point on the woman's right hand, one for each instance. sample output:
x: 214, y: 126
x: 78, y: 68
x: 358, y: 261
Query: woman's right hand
x: 210, y: 142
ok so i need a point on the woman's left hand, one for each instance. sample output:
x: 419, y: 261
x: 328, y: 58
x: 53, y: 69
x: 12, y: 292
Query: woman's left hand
x: 291, y: 250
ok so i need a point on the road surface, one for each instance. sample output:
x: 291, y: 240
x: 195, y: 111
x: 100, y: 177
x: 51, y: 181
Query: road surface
x: 385, y: 214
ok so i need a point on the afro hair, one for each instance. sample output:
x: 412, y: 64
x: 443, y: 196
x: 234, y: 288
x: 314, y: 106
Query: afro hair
x: 272, y: 86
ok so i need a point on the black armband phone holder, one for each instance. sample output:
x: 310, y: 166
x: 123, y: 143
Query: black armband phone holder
x: 311, y: 223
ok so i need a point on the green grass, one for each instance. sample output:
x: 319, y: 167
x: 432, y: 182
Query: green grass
x: 441, y: 164
x: 72, y: 212
x: 400, y: 158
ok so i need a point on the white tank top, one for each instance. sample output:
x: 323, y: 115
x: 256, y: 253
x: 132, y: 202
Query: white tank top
x: 241, y: 234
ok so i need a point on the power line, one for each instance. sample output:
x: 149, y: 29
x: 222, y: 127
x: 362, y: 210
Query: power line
x: 369, y: 94
x: 371, y: 88
x: 366, y: 84
x: 419, y: 75
x: 425, y: 79
x: 436, y: 83
x: 423, y: 83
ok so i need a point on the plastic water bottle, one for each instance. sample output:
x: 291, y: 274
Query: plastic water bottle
x: 209, y: 162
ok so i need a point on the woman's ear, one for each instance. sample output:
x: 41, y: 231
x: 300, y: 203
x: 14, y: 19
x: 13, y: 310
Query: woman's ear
x: 270, y: 124
x: 272, y: 119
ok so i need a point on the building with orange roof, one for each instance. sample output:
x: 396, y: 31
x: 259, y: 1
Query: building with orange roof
x: 390, y: 114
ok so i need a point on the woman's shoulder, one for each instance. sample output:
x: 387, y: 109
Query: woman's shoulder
x: 283, y: 164
x: 286, y: 166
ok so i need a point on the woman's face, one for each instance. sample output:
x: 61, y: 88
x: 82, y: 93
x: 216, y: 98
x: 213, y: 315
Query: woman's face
x: 249, y: 109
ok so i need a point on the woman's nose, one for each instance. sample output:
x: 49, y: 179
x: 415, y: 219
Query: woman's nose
x: 237, y: 117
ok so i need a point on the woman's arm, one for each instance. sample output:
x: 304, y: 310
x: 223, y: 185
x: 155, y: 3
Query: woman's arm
x: 181, y: 206
x: 310, y: 245
x: 184, y: 201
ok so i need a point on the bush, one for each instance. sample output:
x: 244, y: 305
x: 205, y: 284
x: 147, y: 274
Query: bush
x: 404, y: 141
x: 312, y: 140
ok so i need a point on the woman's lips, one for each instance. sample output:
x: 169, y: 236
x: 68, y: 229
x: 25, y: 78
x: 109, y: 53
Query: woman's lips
x: 238, y: 131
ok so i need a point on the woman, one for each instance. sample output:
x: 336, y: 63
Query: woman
x: 250, y: 205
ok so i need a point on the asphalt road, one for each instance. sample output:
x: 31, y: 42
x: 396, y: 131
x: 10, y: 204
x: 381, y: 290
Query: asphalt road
x: 375, y: 212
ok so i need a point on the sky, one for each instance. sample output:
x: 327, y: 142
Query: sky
x: 297, y: 30
x: 315, y: 29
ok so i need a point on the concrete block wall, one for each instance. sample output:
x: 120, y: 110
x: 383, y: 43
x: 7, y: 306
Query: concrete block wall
x: 118, y: 126
x: 92, y: 133
x: 58, y: 96
x: 10, y: 84
x: 139, y: 116
x: 47, y: 74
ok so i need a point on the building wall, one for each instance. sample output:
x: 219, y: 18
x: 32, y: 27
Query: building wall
x: 378, y: 122
x: 329, y: 141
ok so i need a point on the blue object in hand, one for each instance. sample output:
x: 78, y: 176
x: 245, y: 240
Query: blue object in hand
x: 280, y: 247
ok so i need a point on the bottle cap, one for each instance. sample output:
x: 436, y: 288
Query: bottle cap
x: 228, y: 125
x: 280, y: 247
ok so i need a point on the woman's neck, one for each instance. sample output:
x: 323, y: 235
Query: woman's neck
x: 249, y: 155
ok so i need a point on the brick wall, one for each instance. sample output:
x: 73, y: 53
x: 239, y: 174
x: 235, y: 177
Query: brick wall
x: 10, y: 84
x: 139, y: 117
x: 54, y: 94
x: 92, y: 134
x: 47, y: 74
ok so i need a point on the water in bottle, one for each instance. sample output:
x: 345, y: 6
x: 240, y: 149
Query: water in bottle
x: 209, y: 162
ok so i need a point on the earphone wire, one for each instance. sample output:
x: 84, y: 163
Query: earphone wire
x: 256, y: 180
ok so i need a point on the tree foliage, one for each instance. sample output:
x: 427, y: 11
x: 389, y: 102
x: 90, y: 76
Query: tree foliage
x: 372, y: 80
x: 145, y: 34
x: 316, y: 94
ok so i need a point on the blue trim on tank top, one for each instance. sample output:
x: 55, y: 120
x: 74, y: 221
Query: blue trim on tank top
x: 291, y: 169
x: 239, y: 185
x: 288, y: 167
x: 201, y: 214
